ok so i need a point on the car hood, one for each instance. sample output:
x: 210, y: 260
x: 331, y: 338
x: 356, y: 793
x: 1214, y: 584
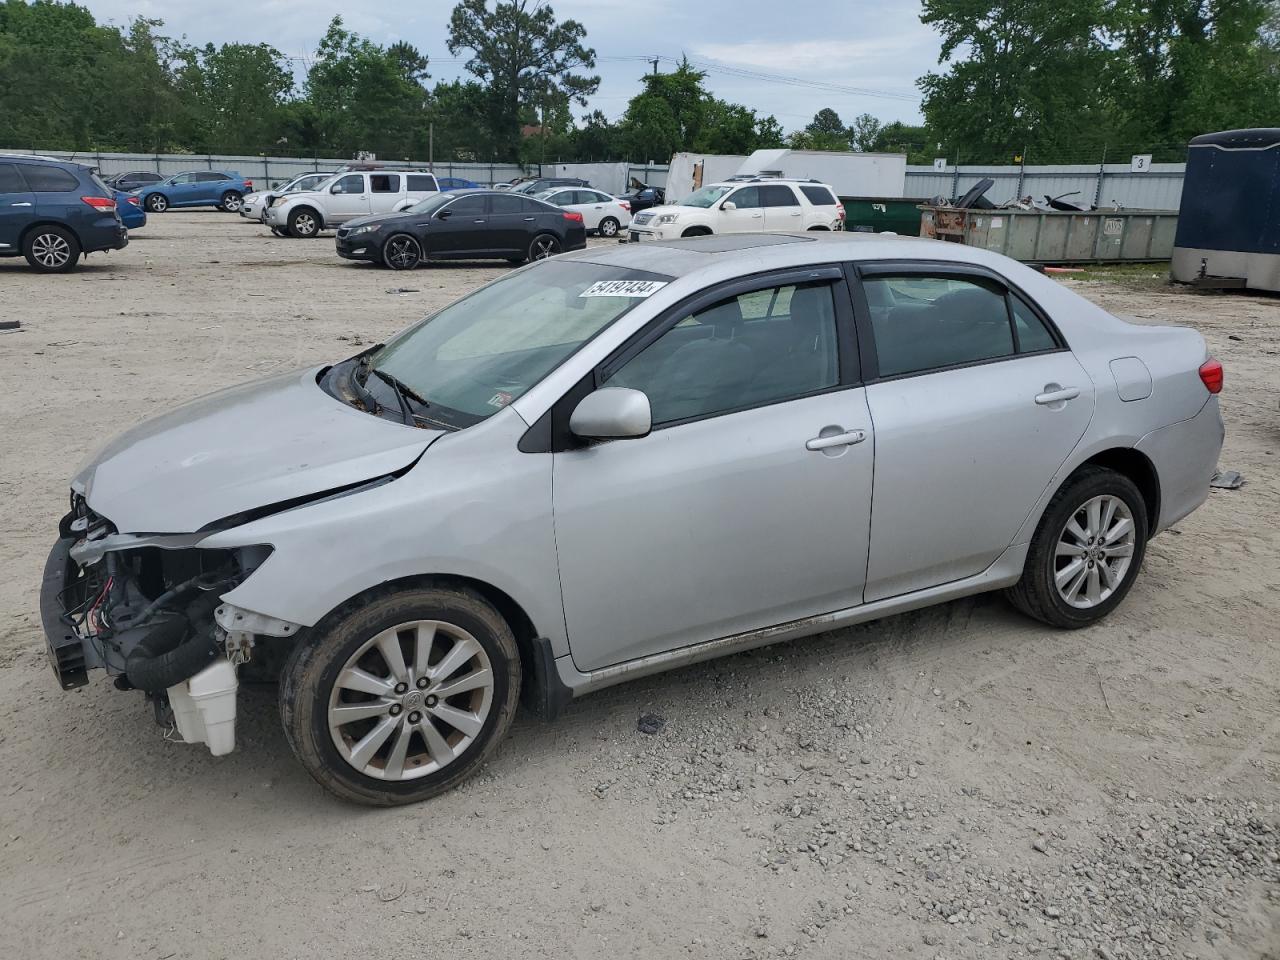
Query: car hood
x: 377, y: 218
x: 256, y: 445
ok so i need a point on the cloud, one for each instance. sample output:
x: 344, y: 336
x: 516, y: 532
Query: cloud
x: 806, y: 56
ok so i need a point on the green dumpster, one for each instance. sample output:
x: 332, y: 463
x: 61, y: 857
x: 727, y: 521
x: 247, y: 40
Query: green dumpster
x: 879, y: 214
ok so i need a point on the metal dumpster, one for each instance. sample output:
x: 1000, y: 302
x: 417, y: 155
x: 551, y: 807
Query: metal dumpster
x: 880, y: 214
x: 1038, y: 236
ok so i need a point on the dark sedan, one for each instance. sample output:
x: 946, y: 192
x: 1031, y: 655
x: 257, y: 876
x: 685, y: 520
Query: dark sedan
x: 463, y: 225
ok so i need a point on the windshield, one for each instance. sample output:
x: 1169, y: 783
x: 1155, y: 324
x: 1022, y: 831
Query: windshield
x: 705, y: 197
x: 300, y: 185
x: 482, y: 353
x: 431, y: 204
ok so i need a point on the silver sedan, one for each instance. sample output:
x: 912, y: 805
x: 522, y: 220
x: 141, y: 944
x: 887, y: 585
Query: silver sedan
x: 615, y: 462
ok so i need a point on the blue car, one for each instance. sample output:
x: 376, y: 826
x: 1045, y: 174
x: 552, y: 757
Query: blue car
x: 53, y: 212
x: 196, y: 188
x: 455, y: 183
x: 129, y: 206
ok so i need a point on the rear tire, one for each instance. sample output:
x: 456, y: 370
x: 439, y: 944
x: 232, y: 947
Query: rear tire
x: 304, y: 223
x: 1082, y: 563
x: 608, y: 227
x: 335, y: 747
x: 51, y: 249
x: 542, y: 246
x: 231, y: 201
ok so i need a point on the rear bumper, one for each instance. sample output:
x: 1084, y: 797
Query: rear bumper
x: 112, y: 235
x: 1185, y: 456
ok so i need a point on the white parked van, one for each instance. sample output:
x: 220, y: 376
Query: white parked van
x: 347, y: 196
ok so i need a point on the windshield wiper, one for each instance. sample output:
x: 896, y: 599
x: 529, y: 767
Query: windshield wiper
x: 403, y: 395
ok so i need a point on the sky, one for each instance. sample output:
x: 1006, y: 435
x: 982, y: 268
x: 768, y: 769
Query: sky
x: 864, y: 55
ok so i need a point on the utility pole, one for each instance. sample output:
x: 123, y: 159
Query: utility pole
x: 654, y: 61
x: 431, y: 146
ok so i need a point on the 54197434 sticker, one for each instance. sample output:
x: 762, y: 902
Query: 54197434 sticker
x: 623, y: 288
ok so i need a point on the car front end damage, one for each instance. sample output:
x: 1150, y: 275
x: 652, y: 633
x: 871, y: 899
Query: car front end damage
x: 149, y: 611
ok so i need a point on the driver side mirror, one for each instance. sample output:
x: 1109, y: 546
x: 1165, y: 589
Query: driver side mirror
x: 612, y: 413
x: 444, y: 214
x: 728, y: 205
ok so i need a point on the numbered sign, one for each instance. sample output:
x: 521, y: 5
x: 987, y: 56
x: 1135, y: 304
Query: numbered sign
x: 1140, y: 162
x: 940, y: 163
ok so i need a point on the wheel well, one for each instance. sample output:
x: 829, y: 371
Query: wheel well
x: 311, y: 210
x: 820, y: 227
x: 22, y: 239
x: 697, y: 232
x: 1134, y: 465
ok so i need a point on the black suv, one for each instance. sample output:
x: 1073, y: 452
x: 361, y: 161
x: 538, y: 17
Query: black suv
x: 53, y: 212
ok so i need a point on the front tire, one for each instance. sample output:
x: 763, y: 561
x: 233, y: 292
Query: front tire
x: 400, y: 699
x: 304, y: 223
x: 51, y: 249
x: 231, y: 201
x: 401, y: 252
x: 1086, y: 552
x: 157, y: 203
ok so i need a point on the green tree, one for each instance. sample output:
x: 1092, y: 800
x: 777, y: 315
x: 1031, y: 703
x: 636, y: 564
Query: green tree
x: 525, y: 57
x: 235, y: 95
x: 826, y: 131
x: 864, y: 131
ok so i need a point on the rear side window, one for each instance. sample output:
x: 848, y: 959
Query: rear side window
x: 44, y: 179
x: 505, y: 203
x: 1033, y: 335
x: 384, y: 183
x: 776, y: 195
x: 211, y: 177
x: 924, y: 323
x: 11, y: 180
x: 421, y: 184
x: 819, y: 196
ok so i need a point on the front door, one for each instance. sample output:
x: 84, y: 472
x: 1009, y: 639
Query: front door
x: 17, y: 206
x: 747, y: 215
x: 348, y: 199
x: 460, y: 228
x: 747, y: 505
x: 976, y: 404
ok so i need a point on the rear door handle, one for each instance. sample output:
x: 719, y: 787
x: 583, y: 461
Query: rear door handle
x: 530, y: 219
x: 1058, y: 396
x: 838, y: 440
x: 24, y: 204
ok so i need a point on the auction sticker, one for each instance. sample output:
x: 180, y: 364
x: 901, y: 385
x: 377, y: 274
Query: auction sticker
x: 623, y: 288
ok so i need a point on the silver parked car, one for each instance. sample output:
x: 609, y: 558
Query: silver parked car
x: 616, y: 462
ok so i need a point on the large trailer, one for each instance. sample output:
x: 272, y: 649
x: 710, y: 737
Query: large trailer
x: 872, y: 175
x: 1229, y: 223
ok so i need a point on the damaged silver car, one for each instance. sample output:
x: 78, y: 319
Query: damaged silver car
x: 613, y: 463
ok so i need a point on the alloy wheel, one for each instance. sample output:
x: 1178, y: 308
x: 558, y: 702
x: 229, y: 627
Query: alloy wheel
x: 411, y: 700
x: 159, y: 204
x: 51, y: 250
x: 305, y: 224
x: 543, y: 247
x: 609, y: 227
x: 1094, y: 552
x: 402, y: 253
x: 233, y: 202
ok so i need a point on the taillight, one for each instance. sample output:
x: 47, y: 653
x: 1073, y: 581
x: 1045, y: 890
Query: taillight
x: 625, y: 205
x: 839, y: 211
x: 136, y: 201
x: 248, y: 185
x: 573, y: 215
x: 1211, y: 375
x: 101, y: 204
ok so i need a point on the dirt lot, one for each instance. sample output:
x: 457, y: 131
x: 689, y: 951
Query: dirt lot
x: 958, y: 782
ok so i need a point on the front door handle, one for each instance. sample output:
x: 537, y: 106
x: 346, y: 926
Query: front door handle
x: 838, y: 440
x: 1059, y: 395
x: 23, y: 204
x: 530, y: 219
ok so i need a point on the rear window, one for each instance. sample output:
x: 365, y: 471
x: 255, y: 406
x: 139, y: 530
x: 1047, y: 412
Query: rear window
x: 819, y: 196
x: 44, y: 179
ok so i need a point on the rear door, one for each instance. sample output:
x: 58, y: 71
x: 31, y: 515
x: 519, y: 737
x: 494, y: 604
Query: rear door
x: 782, y: 210
x: 17, y: 206
x: 508, y: 227
x: 348, y: 198
x: 208, y: 187
x: 747, y: 215
x: 976, y: 402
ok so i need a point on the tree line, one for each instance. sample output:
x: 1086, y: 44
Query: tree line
x: 1040, y: 79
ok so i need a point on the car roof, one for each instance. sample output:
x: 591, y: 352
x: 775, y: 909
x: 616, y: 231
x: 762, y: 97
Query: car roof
x: 38, y: 158
x: 768, y: 251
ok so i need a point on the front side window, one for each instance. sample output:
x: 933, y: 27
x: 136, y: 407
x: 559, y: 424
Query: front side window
x: 472, y: 206
x: 44, y: 179
x: 748, y: 198
x: 923, y: 323
x: 351, y: 184
x: 482, y: 353
x: 184, y: 178
x: 762, y: 347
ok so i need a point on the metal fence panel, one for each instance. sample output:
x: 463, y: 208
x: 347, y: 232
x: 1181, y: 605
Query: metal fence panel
x: 1106, y: 185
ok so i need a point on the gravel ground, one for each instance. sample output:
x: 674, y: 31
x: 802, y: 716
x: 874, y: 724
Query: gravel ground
x: 956, y: 782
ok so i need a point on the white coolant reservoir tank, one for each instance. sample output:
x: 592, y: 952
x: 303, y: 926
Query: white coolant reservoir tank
x: 204, y: 707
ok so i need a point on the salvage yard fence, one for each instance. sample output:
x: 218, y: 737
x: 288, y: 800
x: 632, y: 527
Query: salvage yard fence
x: 1106, y: 185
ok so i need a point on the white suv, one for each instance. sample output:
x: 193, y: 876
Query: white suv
x: 345, y: 197
x: 746, y: 205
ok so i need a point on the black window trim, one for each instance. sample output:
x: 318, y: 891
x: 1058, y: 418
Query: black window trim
x: 856, y: 272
